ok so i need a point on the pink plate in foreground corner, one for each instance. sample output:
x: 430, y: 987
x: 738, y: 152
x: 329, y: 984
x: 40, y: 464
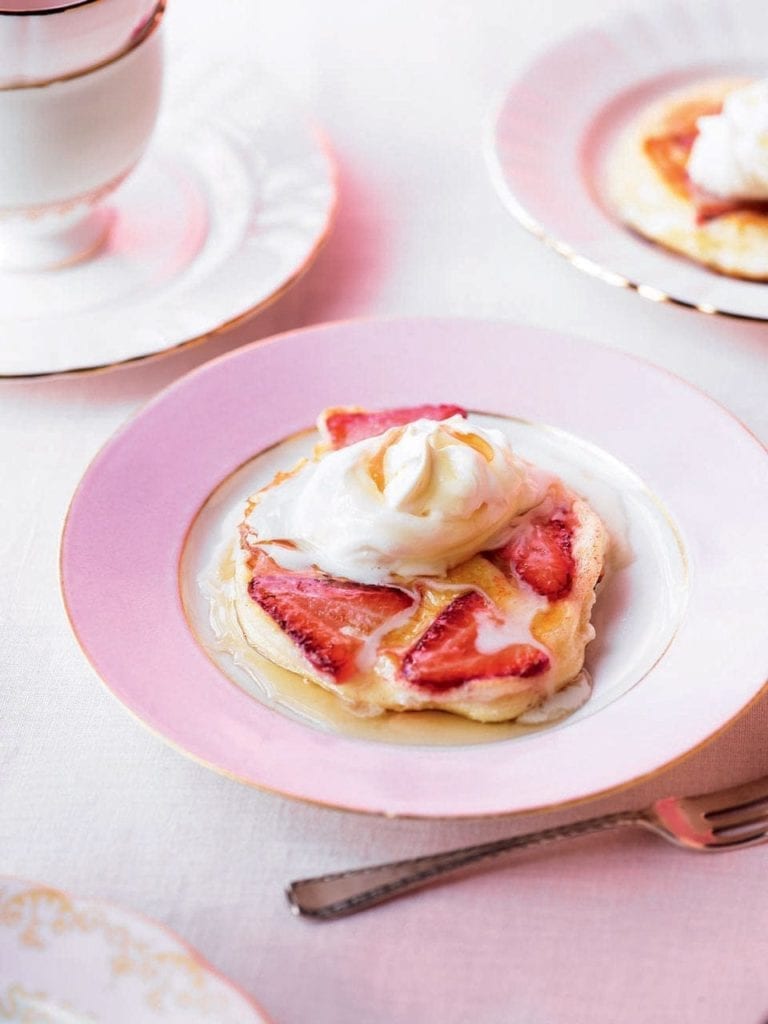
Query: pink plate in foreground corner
x: 681, y: 646
x: 71, y: 960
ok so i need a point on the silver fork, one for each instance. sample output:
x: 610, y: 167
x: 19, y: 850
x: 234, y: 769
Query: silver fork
x: 726, y: 820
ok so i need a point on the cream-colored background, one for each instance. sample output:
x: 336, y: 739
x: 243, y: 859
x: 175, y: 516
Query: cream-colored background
x: 613, y: 929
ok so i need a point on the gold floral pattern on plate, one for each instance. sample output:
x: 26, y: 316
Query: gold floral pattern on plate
x: 133, y: 960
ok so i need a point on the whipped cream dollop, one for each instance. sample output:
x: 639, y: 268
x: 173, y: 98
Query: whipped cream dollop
x: 413, y: 501
x: 730, y: 155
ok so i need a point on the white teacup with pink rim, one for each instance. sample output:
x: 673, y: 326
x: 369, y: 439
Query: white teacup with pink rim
x: 80, y: 85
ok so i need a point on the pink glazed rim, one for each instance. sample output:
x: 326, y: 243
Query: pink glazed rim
x: 129, y: 518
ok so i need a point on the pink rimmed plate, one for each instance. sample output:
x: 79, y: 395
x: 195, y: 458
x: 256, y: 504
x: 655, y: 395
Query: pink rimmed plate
x: 681, y: 646
x: 550, y: 138
x: 67, y: 959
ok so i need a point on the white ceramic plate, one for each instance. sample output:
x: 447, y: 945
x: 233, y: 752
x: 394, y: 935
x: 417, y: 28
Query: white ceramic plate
x: 227, y: 208
x: 67, y: 960
x: 548, y: 143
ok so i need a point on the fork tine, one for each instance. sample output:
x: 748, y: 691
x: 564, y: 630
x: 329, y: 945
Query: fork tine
x: 731, y: 841
x: 746, y: 814
x: 745, y: 821
x: 710, y: 804
x: 737, y: 808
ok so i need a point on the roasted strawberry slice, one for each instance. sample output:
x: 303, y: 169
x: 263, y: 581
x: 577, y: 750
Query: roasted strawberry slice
x: 540, y: 553
x: 328, y: 619
x: 446, y: 655
x: 670, y: 154
x: 709, y: 206
x: 345, y: 426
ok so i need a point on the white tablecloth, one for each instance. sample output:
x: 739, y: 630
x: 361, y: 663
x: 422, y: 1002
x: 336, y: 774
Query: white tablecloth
x: 613, y: 929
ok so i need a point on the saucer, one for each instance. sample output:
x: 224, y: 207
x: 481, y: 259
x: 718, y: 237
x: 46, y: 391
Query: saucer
x: 559, y: 120
x: 70, y: 960
x: 228, y: 207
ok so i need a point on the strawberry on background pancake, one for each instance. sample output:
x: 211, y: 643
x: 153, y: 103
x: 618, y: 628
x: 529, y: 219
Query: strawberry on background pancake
x: 494, y: 635
x: 649, y: 188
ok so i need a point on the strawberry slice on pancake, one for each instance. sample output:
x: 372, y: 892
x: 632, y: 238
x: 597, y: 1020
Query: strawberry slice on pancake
x: 344, y: 426
x: 328, y: 619
x: 447, y: 654
x: 540, y: 553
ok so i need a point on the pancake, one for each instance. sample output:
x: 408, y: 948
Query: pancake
x: 649, y: 190
x: 493, y: 638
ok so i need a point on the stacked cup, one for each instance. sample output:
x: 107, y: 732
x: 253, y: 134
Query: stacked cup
x: 80, y: 84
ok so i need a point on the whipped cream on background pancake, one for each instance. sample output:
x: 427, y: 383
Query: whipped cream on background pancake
x: 729, y: 157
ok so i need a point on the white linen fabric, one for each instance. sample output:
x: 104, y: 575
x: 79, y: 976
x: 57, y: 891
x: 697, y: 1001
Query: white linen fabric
x: 618, y: 928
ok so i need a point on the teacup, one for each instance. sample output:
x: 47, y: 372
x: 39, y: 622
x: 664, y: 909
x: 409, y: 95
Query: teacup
x: 70, y: 137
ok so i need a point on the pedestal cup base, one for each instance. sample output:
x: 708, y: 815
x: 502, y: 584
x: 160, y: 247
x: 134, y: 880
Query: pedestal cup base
x: 52, y: 241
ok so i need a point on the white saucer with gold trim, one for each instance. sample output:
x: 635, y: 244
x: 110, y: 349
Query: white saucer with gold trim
x: 228, y: 207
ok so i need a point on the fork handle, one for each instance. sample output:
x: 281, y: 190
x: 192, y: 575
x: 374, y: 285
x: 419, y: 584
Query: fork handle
x: 345, y: 892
